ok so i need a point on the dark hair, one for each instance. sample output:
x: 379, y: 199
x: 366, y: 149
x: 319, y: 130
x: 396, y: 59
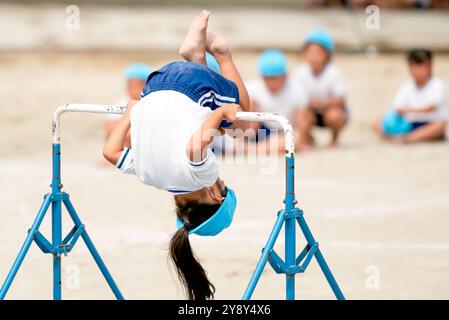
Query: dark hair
x: 419, y: 56
x: 189, y: 270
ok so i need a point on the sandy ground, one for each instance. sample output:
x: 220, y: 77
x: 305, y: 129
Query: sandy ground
x: 380, y: 212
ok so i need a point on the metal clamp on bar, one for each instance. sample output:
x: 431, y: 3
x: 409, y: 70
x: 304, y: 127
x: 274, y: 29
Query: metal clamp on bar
x: 273, y: 117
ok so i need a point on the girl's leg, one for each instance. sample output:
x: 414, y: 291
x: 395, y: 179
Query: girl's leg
x: 218, y: 47
x: 193, y: 49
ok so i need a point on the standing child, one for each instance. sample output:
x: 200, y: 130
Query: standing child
x: 184, y: 105
x: 325, y: 87
x: 419, y: 111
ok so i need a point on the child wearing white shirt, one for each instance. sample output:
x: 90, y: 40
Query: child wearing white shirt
x: 421, y: 104
x: 274, y: 91
x: 325, y: 88
x: 183, y: 106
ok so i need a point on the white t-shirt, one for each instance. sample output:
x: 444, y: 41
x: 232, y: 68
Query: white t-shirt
x: 291, y: 97
x: 161, y: 126
x: 432, y: 93
x: 328, y: 84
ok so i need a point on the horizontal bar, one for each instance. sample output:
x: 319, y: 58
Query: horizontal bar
x: 276, y: 118
x: 78, y: 107
x: 119, y: 109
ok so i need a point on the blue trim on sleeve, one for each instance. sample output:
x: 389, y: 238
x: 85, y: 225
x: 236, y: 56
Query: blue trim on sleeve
x: 123, y: 159
x: 198, y: 164
x: 179, y: 191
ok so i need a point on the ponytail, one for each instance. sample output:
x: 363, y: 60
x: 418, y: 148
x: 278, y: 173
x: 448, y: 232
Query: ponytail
x: 190, y: 272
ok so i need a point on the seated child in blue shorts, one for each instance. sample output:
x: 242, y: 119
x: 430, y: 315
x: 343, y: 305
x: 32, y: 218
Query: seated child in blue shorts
x: 183, y: 106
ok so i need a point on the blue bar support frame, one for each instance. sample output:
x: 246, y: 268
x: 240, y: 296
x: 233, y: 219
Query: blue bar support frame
x: 289, y: 216
x: 57, y: 247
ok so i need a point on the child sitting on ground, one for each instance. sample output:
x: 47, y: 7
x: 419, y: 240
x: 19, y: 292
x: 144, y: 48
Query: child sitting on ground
x: 274, y: 91
x: 419, y: 109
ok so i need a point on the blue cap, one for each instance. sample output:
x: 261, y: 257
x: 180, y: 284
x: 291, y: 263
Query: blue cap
x: 272, y: 63
x: 219, y: 221
x: 394, y: 124
x: 137, y: 71
x: 321, y: 37
x: 212, y: 63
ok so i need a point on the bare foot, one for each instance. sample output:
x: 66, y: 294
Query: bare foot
x: 304, y: 147
x: 310, y: 139
x: 194, y: 46
x: 217, y: 46
x: 333, y: 144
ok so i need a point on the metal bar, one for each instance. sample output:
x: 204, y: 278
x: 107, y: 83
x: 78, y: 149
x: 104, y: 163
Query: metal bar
x: 309, y: 257
x: 273, y: 117
x: 264, y: 257
x: 56, y: 219
x: 90, y: 245
x: 290, y: 228
x: 76, y: 236
x: 26, y: 245
x: 70, y: 235
x: 276, y: 262
x: 42, y: 242
x: 320, y: 259
x: 91, y: 108
x: 303, y: 254
x: 119, y: 109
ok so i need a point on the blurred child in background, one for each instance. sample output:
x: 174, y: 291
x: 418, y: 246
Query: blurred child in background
x: 326, y: 90
x: 274, y: 91
x: 136, y: 76
x: 419, y: 107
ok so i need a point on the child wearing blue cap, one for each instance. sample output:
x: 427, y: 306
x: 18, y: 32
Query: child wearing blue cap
x: 136, y: 76
x: 325, y: 87
x: 274, y: 91
x: 419, y: 110
x: 183, y: 106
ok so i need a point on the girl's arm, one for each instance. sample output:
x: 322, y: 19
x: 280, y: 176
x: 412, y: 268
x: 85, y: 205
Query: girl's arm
x: 200, y: 140
x: 117, y: 139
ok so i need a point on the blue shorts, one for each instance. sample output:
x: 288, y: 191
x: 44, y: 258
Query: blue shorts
x: 196, y: 81
x: 416, y: 125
